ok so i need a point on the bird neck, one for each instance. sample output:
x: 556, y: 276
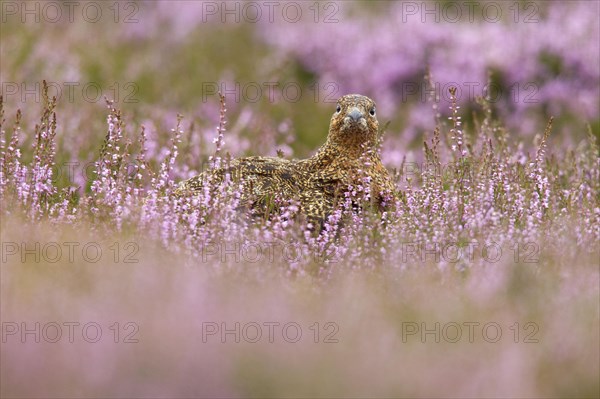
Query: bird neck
x: 351, y: 145
x: 340, y: 151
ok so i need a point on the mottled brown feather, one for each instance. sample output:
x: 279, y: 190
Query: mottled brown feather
x: 350, y: 151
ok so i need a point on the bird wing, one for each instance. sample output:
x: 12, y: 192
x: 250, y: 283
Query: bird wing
x: 262, y: 177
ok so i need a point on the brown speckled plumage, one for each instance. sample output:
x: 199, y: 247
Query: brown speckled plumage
x: 350, y: 152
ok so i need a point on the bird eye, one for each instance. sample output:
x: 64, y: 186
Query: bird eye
x: 372, y: 111
x: 339, y: 108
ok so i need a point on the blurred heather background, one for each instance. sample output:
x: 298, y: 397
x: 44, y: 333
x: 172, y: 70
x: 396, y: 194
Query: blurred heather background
x: 164, y: 58
x: 281, y: 66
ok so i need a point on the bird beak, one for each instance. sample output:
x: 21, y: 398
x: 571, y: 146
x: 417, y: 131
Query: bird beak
x: 355, y: 114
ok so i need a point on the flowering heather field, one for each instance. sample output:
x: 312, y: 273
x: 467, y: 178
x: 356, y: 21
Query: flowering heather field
x: 481, y: 279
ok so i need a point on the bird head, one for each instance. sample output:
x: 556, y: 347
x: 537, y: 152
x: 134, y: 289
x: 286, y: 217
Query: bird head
x: 354, y: 123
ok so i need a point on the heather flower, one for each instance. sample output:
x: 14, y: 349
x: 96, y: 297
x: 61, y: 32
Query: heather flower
x: 490, y: 190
